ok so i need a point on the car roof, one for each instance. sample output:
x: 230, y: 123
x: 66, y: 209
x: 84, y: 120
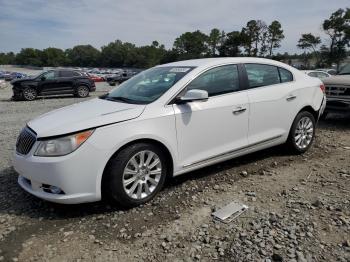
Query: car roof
x: 203, y: 62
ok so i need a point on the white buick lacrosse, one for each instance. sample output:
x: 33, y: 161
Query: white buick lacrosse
x: 163, y: 122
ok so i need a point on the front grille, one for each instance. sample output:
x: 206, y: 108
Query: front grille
x: 337, y: 91
x: 25, y: 141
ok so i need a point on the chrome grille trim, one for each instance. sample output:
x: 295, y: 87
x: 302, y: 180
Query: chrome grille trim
x: 25, y: 141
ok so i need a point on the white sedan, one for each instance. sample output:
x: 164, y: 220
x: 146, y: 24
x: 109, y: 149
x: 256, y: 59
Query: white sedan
x: 163, y: 122
x: 315, y: 73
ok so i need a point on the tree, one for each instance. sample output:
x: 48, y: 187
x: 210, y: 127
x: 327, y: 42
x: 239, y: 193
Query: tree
x: 214, y: 41
x: 337, y: 27
x: 83, y: 55
x: 191, y: 45
x: 254, y: 34
x: 119, y: 54
x: 231, y: 44
x: 29, y: 56
x: 310, y: 42
x: 274, y: 36
x: 7, y: 58
x: 53, y: 57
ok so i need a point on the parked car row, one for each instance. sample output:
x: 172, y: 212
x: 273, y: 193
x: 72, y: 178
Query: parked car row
x: 8, y: 76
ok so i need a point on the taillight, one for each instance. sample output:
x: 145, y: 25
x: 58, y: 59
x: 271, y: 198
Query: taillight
x: 323, y: 88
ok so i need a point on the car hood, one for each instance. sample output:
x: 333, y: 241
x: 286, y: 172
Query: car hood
x: 89, y: 114
x: 20, y: 80
x: 337, y: 80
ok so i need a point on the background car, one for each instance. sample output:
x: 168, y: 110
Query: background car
x: 319, y: 74
x: 338, y: 92
x: 330, y: 71
x: 53, y: 82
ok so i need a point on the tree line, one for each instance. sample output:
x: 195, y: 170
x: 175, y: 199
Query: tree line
x: 255, y: 39
x: 337, y: 29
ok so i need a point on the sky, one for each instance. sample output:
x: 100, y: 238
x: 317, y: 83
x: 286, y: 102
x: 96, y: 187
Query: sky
x: 66, y: 23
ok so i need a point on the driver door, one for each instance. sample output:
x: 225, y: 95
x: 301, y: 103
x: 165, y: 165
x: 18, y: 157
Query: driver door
x: 218, y: 126
x: 48, y: 83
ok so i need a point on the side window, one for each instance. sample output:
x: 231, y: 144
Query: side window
x: 262, y: 75
x: 322, y: 75
x: 216, y: 81
x: 50, y: 75
x: 66, y: 74
x: 285, y: 75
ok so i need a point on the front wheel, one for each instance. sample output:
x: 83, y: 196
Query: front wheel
x: 29, y: 94
x: 302, y: 132
x: 135, y: 175
x: 82, y: 91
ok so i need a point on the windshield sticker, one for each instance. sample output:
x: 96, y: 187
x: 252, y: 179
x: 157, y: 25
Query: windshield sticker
x: 179, y: 69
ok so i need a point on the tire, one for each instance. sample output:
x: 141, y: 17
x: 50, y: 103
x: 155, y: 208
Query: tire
x: 302, y: 133
x: 112, y: 83
x: 125, y: 183
x: 29, y: 94
x: 82, y: 91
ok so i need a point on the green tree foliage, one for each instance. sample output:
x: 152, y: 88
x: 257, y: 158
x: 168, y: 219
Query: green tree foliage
x: 231, y: 44
x: 337, y: 27
x: 7, y: 58
x: 53, y: 57
x: 214, y: 40
x: 191, y: 45
x: 29, y: 56
x: 254, y: 37
x: 310, y: 42
x: 274, y: 36
x: 82, y: 55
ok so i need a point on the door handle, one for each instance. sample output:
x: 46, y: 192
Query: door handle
x: 239, y: 110
x: 291, y: 97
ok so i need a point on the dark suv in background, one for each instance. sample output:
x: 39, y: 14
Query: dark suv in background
x: 53, y: 82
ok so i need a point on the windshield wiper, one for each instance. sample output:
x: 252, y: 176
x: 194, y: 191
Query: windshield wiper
x: 122, y: 99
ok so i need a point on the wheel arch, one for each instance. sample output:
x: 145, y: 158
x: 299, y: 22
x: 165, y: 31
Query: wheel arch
x: 167, y: 152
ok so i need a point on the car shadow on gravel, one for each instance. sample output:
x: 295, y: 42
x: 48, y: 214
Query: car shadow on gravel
x: 336, y: 121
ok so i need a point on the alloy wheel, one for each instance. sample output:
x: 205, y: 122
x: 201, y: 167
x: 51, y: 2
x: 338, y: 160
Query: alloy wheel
x: 304, y: 132
x: 83, y: 91
x: 142, y: 174
x: 29, y: 94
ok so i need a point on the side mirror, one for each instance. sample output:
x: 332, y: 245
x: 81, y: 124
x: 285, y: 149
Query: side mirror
x: 43, y: 78
x: 194, y: 95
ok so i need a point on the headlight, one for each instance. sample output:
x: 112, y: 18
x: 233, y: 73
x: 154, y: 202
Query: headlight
x: 63, y: 145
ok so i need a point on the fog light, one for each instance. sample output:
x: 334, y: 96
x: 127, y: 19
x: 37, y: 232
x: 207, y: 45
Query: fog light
x: 55, y: 190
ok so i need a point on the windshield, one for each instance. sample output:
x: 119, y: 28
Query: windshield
x: 147, y: 86
x: 345, y: 70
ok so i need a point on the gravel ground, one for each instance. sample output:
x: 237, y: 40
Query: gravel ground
x: 299, y: 207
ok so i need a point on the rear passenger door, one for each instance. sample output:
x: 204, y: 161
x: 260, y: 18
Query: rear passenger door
x: 271, y: 92
x: 66, y: 81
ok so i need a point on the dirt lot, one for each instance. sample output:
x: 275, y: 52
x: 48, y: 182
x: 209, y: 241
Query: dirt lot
x: 299, y: 207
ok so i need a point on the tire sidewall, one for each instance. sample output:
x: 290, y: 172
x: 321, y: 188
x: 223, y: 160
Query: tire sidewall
x: 294, y: 127
x: 115, y: 169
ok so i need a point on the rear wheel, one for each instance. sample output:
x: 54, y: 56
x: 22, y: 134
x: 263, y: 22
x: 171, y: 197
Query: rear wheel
x: 29, y: 94
x: 135, y: 175
x: 302, y: 132
x: 82, y: 91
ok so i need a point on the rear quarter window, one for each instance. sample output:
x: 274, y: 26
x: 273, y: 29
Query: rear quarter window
x: 285, y: 75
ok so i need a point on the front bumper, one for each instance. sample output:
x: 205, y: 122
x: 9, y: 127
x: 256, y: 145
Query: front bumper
x: 77, y: 175
x: 338, y: 104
